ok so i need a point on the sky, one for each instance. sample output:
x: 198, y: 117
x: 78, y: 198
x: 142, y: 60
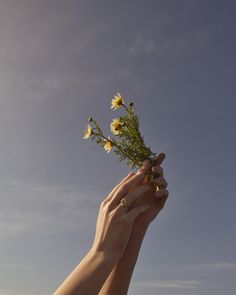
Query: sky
x: 61, y: 61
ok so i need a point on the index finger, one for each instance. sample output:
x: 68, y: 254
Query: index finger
x: 117, y: 186
x: 159, y: 159
x: 126, y: 186
x: 156, y: 165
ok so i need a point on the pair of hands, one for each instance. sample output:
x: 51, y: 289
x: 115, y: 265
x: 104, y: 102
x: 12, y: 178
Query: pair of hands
x: 115, y: 222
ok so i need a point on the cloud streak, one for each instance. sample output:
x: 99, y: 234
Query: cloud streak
x: 16, y: 266
x: 168, y: 46
x: 31, y: 208
x: 217, y: 266
x: 169, y: 284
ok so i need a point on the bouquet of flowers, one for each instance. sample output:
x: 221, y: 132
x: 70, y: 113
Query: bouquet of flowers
x: 128, y: 143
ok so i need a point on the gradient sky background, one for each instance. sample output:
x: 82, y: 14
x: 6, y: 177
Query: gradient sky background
x: 61, y: 61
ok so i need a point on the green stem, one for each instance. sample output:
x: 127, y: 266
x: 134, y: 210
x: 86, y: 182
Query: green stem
x: 115, y: 144
x: 125, y: 108
x: 132, y: 158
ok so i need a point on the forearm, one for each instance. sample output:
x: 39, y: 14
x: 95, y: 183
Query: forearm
x: 119, y: 279
x: 88, y: 277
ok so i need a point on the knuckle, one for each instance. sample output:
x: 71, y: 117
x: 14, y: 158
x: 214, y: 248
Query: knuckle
x: 165, y: 193
x: 105, y: 206
x: 109, y: 206
x: 159, y: 171
x: 163, y: 183
x: 112, y: 214
x: 124, y: 186
x: 103, y: 203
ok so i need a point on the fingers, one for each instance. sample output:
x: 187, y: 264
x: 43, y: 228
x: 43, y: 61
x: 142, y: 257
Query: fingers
x: 145, y: 167
x: 126, y: 177
x: 132, y: 180
x: 117, y: 186
x: 137, y: 193
x: 161, y: 197
x: 160, y: 182
x: 161, y: 193
x: 124, y: 188
x: 159, y: 159
x: 158, y: 171
x: 156, y: 163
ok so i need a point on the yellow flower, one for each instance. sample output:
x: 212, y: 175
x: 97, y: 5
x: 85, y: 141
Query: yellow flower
x: 88, y: 132
x: 116, y: 126
x: 117, y: 101
x: 108, y: 145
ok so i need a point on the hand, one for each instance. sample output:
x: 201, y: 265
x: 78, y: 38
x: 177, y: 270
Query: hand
x: 160, y: 197
x: 115, y: 222
x: 119, y: 279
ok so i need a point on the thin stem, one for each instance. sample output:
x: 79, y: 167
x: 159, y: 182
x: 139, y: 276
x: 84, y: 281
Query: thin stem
x: 125, y: 107
x: 115, y: 144
x: 124, y: 143
x: 144, y: 151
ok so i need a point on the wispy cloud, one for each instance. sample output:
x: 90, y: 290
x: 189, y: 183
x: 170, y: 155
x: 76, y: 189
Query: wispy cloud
x: 201, y: 267
x: 170, y: 46
x: 31, y: 207
x: 174, y: 284
x: 142, y: 45
x: 217, y: 266
x: 16, y: 266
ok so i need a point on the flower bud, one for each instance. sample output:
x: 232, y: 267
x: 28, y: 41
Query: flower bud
x: 90, y: 119
x: 131, y: 104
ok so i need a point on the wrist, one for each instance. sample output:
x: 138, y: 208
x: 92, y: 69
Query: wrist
x: 107, y: 260
x: 141, y: 227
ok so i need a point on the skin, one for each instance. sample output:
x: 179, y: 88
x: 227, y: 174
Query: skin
x: 108, y: 266
x: 119, y: 279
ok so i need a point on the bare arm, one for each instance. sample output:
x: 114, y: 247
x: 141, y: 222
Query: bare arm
x: 114, y: 226
x: 88, y: 277
x: 120, y: 277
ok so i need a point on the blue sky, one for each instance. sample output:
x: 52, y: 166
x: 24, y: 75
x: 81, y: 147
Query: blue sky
x: 61, y: 61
